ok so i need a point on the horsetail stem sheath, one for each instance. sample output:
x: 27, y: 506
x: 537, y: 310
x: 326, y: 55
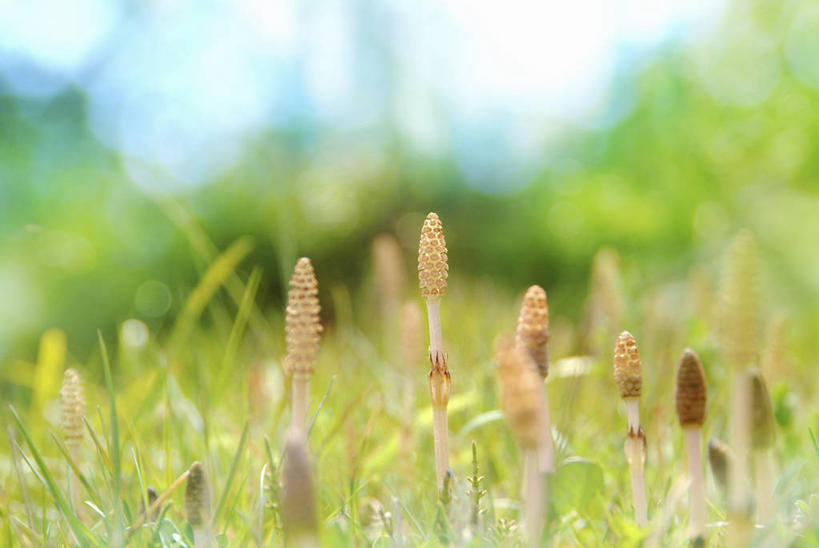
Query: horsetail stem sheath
x: 303, y: 331
x: 522, y: 401
x: 628, y: 373
x: 690, y: 400
x: 432, y: 274
x: 533, y: 336
x: 197, y: 504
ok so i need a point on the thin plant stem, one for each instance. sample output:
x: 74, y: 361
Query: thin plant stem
x: 738, y: 534
x: 533, y: 497
x: 546, y: 452
x: 441, y: 441
x: 436, y: 346
x: 299, y: 395
x: 696, y: 493
x: 439, y: 384
x: 635, y: 455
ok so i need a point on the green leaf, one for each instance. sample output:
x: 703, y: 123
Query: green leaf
x: 233, y: 466
x: 119, y: 526
x: 80, y: 531
x: 576, y: 484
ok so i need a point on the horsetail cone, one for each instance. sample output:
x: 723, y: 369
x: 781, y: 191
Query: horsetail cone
x: 432, y: 258
x: 691, y: 390
x: 739, y: 306
x: 302, y: 320
x: 197, y: 496
x: 72, y: 406
x: 719, y: 457
x: 520, y: 393
x: 762, y: 417
x: 533, y: 328
x: 628, y: 371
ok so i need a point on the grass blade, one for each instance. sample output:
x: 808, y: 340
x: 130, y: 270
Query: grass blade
x: 115, y: 456
x: 231, y: 474
x: 81, y: 532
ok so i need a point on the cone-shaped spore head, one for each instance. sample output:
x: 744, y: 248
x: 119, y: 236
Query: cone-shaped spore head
x: 197, y: 496
x: 72, y: 407
x: 762, y: 417
x: 739, y: 303
x: 432, y: 258
x: 533, y: 327
x: 628, y: 371
x: 521, y: 390
x: 302, y: 320
x: 691, y: 390
x: 719, y: 458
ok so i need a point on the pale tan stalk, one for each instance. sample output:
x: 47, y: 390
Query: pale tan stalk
x: 690, y: 402
x: 533, y: 496
x: 696, y: 488
x: 432, y: 274
x: 298, y: 505
x: 763, y: 468
x: 628, y: 373
x: 521, y: 398
x: 303, y: 330
x: 739, y: 333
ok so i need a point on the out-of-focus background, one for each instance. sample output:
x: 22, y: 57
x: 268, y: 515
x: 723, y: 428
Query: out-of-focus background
x: 138, y: 140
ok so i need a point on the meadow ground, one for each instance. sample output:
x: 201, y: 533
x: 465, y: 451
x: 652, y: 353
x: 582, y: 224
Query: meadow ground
x: 210, y: 387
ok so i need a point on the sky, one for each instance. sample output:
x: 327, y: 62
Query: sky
x: 177, y: 86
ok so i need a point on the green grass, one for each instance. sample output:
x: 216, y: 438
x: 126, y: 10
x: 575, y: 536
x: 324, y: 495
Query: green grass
x: 186, y: 395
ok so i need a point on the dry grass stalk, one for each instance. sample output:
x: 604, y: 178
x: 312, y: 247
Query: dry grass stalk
x: 739, y: 334
x: 762, y: 441
x: 197, y: 504
x: 432, y: 274
x: 72, y: 407
x: 690, y: 399
x: 628, y: 373
x: 533, y: 336
x: 298, y: 505
x: 303, y: 332
x: 522, y: 401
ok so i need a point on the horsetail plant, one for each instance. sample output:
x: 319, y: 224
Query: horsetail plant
x: 72, y: 407
x: 298, y: 506
x: 432, y: 274
x: 522, y: 402
x: 197, y: 504
x: 762, y: 440
x: 303, y: 331
x: 533, y: 335
x: 739, y: 334
x: 690, y: 400
x: 628, y: 373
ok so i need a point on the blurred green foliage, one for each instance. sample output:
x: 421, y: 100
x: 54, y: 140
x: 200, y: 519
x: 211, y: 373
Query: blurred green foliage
x: 724, y: 133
